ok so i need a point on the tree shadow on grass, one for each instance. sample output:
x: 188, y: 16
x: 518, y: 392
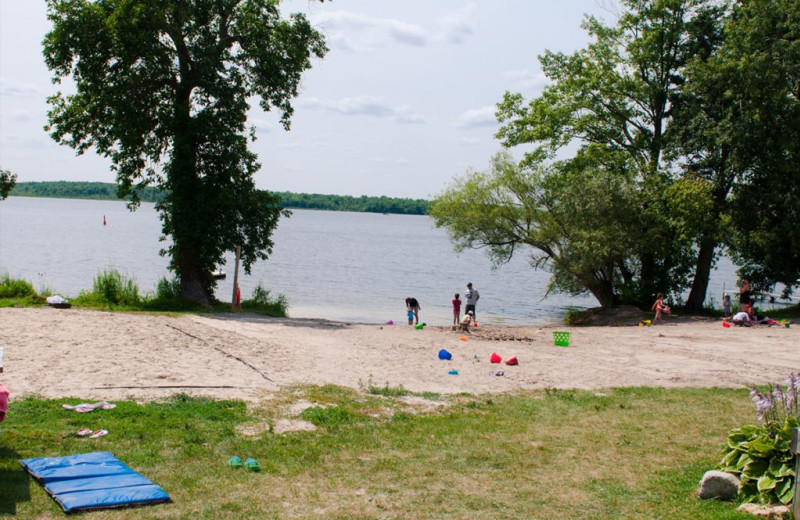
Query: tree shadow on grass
x: 15, y: 486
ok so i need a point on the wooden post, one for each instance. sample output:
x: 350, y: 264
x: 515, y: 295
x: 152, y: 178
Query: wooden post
x: 795, y: 447
x: 235, y: 303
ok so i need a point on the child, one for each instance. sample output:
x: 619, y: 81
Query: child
x: 726, y: 304
x: 465, y: 323
x: 659, y: 306
x: 456, y: 310
x: 409, y: 311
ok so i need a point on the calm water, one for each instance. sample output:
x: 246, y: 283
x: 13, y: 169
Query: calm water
x: 333, y: 265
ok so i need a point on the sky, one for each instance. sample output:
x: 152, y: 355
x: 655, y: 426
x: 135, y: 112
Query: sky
x: 402, y: 104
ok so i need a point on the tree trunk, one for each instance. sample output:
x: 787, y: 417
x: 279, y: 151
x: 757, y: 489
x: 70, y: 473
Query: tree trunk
x: 702, y: 273
x: 186, y: 206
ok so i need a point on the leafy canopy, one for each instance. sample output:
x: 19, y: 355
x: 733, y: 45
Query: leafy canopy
x: 162, y: 89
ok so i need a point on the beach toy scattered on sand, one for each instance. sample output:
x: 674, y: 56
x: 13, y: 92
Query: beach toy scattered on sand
x: 420, y: 326
x: 463, y: 338
x: 726, y: 325
x: 512, y: 361
x: 453, y: 372
x: 445, y: 355
x: 561, y: 339
x: 390, y: 322
x: 495, y: 358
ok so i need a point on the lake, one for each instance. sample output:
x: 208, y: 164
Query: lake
x: 335, y: 265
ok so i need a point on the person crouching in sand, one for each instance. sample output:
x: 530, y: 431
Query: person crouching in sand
x: 466, y: 322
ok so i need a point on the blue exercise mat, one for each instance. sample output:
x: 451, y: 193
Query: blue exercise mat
x: 95, y: 480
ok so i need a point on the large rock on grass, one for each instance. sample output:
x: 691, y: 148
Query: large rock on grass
x: 719, y: 485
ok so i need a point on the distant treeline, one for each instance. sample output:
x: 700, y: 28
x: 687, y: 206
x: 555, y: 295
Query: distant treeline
x: 108, y: 191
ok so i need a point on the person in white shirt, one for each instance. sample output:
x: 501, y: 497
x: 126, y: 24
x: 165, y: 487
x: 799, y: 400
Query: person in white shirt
x: 472, y: 297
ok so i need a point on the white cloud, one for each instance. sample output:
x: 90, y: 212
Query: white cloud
x: 458, y: 27
x: 262, y: 125
x: 524, y: 79
x: 477, y: 117
x: 17, y: 89
x: 370, y: 106
x: 353, y: 31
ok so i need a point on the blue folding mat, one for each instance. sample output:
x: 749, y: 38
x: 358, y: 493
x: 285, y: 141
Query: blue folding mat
x: 96, y: 480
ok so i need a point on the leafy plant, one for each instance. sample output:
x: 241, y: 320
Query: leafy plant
x: 111, y: 287
x: 761, y: 454
x: 263, y: 302
x: 11, y: 288
x: 168, y: 289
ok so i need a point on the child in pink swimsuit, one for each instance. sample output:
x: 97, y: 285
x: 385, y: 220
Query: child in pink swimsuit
x: 456, y: 310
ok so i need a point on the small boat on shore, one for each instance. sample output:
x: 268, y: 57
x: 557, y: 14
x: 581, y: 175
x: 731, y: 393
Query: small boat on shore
x: 219, y: 274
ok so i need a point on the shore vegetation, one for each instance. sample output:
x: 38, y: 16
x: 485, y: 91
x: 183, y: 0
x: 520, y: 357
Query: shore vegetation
x: 288, y: 200
x: 111, y: 291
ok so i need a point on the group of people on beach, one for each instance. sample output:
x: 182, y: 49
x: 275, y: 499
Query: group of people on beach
x: 472, y: 296
x: 745, y: 316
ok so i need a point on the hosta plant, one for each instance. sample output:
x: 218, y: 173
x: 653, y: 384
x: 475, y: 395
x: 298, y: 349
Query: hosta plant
x: 760, y: 454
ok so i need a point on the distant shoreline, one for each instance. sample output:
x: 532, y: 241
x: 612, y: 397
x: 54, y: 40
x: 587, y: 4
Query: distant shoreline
x: 289, y: 200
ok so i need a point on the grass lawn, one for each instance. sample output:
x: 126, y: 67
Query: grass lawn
x: 634, y: 453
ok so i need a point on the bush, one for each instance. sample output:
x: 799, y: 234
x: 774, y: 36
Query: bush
x: 168, y: 289
x: 10, y: 288
x: 761, y: 454
x: 111, y: 287
x: 262, y: 302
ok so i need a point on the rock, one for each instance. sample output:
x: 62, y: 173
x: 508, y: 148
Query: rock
x: 719, y: 484
x: 766, y: 512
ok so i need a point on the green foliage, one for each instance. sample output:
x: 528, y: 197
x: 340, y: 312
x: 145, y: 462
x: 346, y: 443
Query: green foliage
x: 167, y: 289
x: 761, y: 53
x: 613, y: 100
x: 760, y: 455
x: 108, y: 191
x: 262, y: 302
x: 577, y: 223
x: 163, y: 90
x: 348, y: 203
x: 7, y: 182
x: 12, y: 288
x: 111, y: 288
x: 82, y: 190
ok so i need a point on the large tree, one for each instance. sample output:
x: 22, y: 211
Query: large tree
x: 550, y: 213
x: 162, y: 89
x: 612, y: 101
x: 761, y: 56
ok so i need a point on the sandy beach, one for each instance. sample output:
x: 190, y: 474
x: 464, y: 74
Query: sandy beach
x: 99, y: 355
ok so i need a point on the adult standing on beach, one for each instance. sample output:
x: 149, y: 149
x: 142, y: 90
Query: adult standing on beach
x: 744, y: 293
x: 472, y: 297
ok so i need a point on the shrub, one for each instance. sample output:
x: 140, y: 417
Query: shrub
x: 168, y: 289
x: 11, y: 288
x: 112, y: 287
x: 262, y: 302
x: 761, y: 454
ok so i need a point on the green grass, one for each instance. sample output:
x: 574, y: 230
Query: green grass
x: 113, y: 292
x: 628, y: 453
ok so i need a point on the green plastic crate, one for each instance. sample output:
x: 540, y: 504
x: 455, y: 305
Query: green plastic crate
x: 561, y: 339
